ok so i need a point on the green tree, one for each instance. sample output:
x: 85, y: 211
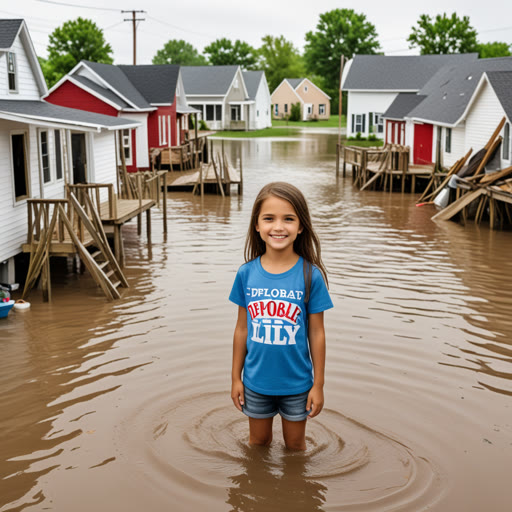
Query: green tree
x: 338, y: 32
x: 280, y: 59
x: 224, y: 52
x: 177, y: 51
x: 495, y: 49
x: 49, y: 74
x: 295, y: 112
x: 76, y: 40
x: 443, y: 34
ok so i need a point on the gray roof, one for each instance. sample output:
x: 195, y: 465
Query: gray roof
x: 46, y: 111
x: 402, y: 105
x: 450, y: 90
x: 501, y: 82
x: 252, y: 81
x: 157, y: 83
x: 207, y: 80
x: 106, y: 93
x: 294, y: 82
x: 120, y: 82
x: 398, y: 73
x: 8, y: 31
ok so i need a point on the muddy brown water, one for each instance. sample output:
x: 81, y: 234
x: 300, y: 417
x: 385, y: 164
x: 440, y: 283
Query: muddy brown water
x: 125, y: 406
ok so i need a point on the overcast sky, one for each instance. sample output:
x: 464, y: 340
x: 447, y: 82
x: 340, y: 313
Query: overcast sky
x: 201, y: 21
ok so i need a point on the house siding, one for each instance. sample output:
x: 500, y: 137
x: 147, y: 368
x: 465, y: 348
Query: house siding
x: 364, y: 103
x: 483, y: 118
x: 140, y: 149
x: 104, y: 157
x: 153, y: 127
x: 70, y: 95
x: 316, y: 97
x: 458, y: 145
x: 27, y: 85
x: 284, y: 95
x: 263, y: 105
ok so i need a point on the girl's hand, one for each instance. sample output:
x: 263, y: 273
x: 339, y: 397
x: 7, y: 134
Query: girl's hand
x: 315, y: 401
x: 237, y: 393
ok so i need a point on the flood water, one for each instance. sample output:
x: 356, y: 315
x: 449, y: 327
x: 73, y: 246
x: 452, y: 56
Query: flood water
x: 125, y: 406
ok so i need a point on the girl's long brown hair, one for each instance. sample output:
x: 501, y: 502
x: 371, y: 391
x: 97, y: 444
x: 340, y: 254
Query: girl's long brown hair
x: 307, y: 243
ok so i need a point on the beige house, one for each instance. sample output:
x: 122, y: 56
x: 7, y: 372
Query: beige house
x: 314, y: 103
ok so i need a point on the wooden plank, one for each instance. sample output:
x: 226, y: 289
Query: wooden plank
x: 454, y: 208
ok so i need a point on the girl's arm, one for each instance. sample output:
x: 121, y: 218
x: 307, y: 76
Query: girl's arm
x: 316, y: 334
x: 239, y: 352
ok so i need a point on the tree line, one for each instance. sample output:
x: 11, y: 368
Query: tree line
x: 338, y: 32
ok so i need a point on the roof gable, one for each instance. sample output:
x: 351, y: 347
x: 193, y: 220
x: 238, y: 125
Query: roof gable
x: 294, y: 82
x: 98, y: 91
x: 398, y: 73
x: 156, y: 83
x: 208, y: 80
x: 8, y: 31
x: 252, y: 81
x: 119, y: 82
x: 501, y: 82
x: 402, y: 105
x: 286, y: 83
x: 450, y: 91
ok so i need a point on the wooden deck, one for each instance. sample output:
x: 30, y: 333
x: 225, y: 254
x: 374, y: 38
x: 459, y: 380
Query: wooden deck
x: 190, y: 178
x: 62, y: 247
x: 127, y: 209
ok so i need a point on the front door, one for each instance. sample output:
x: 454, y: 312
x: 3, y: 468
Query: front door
x: 308, y: 110
x: 79, y: 158
x: 423, y: 143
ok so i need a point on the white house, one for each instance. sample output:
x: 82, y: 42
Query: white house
x: 457, y: 110
x: 259, y: 112
x: 42, y: 146
x: 373, y: 83
x: 220, y: 95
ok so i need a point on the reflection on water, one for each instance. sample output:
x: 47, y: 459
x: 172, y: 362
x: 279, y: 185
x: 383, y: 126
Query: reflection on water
x: 125, y: 405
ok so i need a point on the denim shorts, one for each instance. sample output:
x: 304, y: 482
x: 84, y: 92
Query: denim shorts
x: 290, y: 407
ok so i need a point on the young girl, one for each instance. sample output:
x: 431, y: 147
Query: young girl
x: 281, y: 295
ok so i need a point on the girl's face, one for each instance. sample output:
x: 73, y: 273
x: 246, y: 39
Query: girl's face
x: 278, y: 224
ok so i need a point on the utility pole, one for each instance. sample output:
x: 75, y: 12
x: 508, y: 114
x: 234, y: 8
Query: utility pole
x: 134, y: 20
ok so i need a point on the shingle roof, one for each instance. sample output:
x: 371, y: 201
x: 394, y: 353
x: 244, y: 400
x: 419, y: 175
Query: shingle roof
x: 501, y: 82
x: 402, y: 105
x: 398, y: 73
x: 157, y: 83
x: 106, y: 93
x: 450, y: 90
x: 252, y: 81
x: 42, y: 110
x: 207, y: 80
x: 294, y: 82
x: 8, y: 31
x: 119, y: 81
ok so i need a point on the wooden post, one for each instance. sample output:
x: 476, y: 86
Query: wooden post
x: 164, y: 201
x: 241, y: 184
x: 148, y: 225
x: 340, y: 110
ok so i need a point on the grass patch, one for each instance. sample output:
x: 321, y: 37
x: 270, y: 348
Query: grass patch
x: 332, y: 122
x: 267, y: 132
x: 363, y: 143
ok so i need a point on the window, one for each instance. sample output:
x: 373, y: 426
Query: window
x: 448, y: 140
x: 506, y: 142
x: 11, y: 71
x: 286, y: 108
x: 163, y: 125
x: 19, y: 166
x: 45, y: 158
x: 58, y: 155
x: 257, y: 113
x: 235, y: 112
x: 378, y: 123
x: 305, y: 88
x: 127, y: 142
x: 321, y: 109
x: 358, y: 125
x: 236, y: 84
x: 218, y: 112
x: 210, y: 113
x: 276, y: 109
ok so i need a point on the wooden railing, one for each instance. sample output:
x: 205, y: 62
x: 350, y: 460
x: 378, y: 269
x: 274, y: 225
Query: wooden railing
x: 93, y: 191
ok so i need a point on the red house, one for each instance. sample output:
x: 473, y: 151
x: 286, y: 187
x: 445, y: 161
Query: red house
x: 151, y: 94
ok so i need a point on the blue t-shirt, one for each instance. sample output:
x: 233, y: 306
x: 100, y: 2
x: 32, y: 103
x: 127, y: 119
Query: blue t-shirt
x: 278, y: 360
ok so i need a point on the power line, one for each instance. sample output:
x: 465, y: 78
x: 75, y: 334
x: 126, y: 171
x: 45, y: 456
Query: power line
x: 80, y: 6
x: 134, y: 20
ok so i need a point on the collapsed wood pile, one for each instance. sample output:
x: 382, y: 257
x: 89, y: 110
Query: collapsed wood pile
x: 478, y: 194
